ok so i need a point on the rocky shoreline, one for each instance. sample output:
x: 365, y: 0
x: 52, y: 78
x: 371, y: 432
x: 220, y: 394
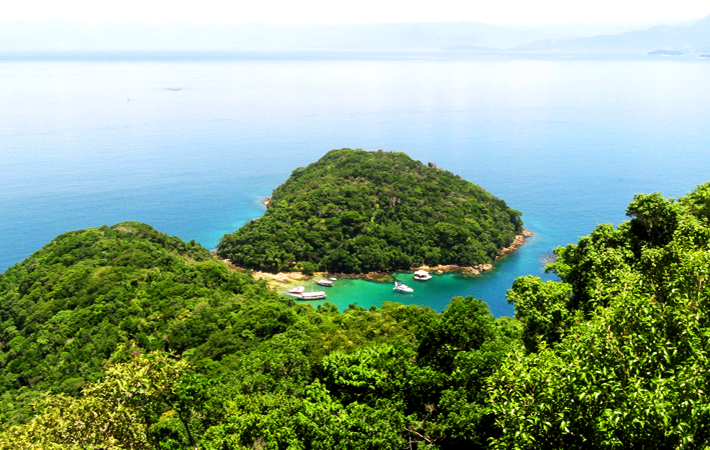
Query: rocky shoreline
x: 283, y: 280
x: 518, y: 241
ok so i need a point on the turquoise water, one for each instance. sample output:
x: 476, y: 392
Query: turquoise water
x: 435, y: 293
x: 567, y: 141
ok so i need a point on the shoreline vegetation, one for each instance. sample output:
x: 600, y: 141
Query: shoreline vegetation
x: 125, y: 337
x: 355, y: 212
x: 284, y: 280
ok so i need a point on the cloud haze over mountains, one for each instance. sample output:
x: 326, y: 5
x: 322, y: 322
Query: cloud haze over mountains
x: 52, y: 35
x: 685, y: 38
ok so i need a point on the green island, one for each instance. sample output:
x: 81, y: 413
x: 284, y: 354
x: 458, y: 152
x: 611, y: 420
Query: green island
x: 355, y: 211
x: 123, y: 337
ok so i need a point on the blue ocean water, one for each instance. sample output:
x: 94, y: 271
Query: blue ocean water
x: 193, y: 145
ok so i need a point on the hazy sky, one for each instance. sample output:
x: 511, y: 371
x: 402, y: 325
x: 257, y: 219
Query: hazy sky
x: 513, y: 12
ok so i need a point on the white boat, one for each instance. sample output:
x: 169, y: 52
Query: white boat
x: 297, y: 290
x: 422, y: 275
x: 333, y: 279
x: 315, y: 295
x: 401, y: 287
x: 327, y: 283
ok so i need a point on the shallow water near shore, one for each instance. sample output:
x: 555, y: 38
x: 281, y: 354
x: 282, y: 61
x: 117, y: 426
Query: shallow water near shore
x: 192, y: 147
x: 435, y: 293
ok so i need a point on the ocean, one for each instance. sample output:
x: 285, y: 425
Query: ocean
x: 193, y: 144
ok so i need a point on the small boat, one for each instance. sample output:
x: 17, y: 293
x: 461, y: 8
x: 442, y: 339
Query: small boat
x: 315, y: 295
x: 297, y: 290
x: 401, y: 287
x: 422, y: 275
x: 333, y: 279
x: 327, y: 283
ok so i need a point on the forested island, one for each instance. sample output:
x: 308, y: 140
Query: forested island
x: 355, y: 211
x: 124, y: 338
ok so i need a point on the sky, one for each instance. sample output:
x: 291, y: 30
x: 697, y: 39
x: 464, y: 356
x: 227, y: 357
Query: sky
x: 507, y: 12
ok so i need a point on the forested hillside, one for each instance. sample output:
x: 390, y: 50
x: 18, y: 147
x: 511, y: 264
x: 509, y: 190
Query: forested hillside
x: 112, y: 292
x: 355, y: 211
x: 620, y: 346
x: 122, y: 337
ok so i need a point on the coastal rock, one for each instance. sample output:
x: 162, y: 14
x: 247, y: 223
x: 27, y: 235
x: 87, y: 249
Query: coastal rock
x: 517, y: 242
x: 478, y: 269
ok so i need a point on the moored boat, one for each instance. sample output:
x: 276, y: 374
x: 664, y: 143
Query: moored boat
x: 401, y: 287
x: 326, y: 283
x: 315, y: 295
x: 297, y: 290
x: 422, y: 275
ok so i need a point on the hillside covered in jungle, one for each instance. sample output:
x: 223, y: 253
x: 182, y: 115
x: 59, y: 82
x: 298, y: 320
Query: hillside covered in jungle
x: 125, y: 338
x: 355, y: 211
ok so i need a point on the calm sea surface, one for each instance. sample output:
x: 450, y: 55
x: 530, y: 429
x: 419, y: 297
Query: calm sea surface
x: 192, y: 146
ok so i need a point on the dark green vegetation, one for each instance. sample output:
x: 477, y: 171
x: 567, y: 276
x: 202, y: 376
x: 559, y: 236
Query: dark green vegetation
x: 616, y: 354
x: 355, y: 211
x: 110, y: 292
x: 622, y: 342
x: 122, y: 337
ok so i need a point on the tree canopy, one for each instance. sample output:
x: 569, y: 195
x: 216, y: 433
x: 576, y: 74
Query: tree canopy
x: 618, y: 348
x: 97, y: 294
x: 355, y: 211
x: 124, y: 338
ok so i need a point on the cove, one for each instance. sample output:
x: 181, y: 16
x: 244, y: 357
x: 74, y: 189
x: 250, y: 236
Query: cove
x: 435, y: 293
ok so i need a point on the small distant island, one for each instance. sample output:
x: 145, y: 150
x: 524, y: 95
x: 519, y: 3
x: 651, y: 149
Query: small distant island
x: 355, y: 211
x: 665, y: 53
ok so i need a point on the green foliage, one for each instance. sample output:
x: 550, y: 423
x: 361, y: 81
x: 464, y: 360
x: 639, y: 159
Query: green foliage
x: 623, y: 341
x: 115, y: 413
x: 355, y: 211
x: 654, y: 219
x: 614, y: 355
x: 370, y: 382
x: 543, y: 309
x: 70, y: 306
x: 86, y: 322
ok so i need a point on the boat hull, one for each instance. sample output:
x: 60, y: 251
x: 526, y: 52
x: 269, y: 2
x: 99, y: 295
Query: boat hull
x: 317, y: 295
x: 402, y: 288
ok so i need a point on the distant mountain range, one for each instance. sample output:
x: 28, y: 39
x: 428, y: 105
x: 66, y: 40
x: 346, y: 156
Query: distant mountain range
x: 55, y: 35
x: 689, y: 38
